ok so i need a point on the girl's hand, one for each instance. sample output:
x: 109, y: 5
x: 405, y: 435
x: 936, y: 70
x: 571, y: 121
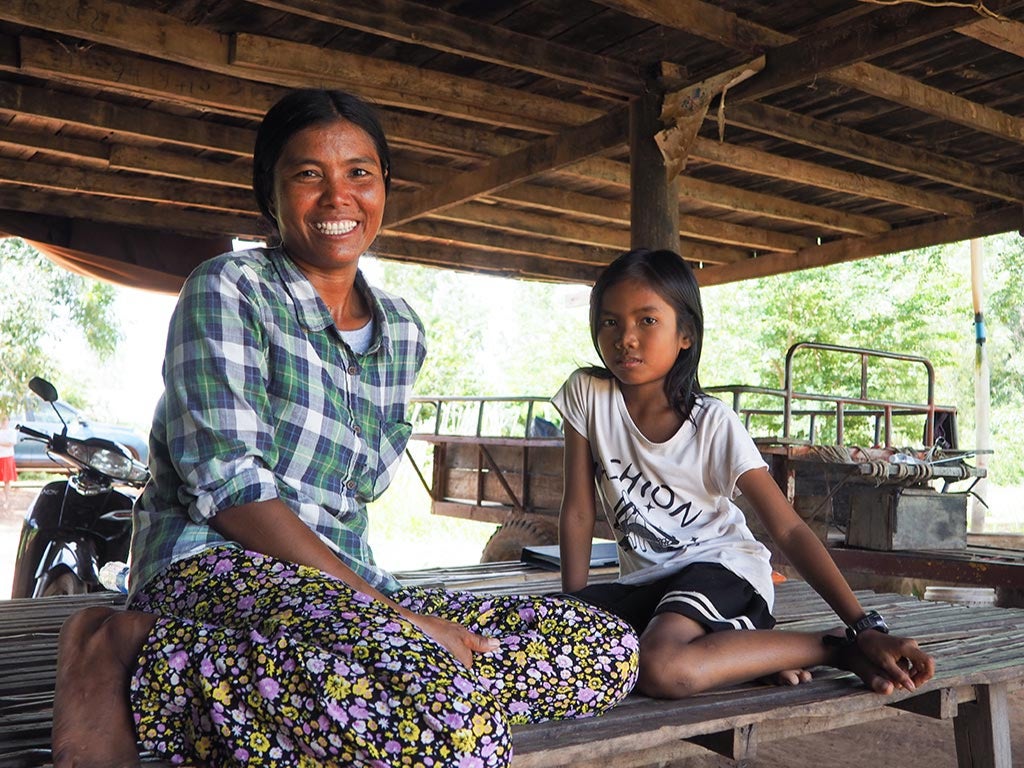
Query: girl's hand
x: 458, y: 640
x: 900, y: 658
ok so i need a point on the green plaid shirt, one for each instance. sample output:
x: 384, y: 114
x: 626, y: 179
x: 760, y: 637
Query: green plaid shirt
x: 262, y: 400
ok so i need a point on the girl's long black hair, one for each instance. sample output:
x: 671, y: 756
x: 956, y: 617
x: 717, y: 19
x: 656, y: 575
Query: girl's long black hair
x: 672, y: 279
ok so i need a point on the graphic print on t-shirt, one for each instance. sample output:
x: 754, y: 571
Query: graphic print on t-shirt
x: 640, y: 499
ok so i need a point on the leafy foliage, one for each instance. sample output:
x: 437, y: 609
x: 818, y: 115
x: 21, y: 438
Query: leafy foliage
x: 38, y: 300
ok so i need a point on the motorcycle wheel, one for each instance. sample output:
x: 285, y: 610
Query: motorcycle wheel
x: 61, y: 583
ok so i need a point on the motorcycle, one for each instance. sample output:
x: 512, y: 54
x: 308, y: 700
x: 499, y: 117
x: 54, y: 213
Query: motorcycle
x: 75, y: 526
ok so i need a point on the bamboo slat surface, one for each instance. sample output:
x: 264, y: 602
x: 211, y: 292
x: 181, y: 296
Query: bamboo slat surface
x: 972, y: 646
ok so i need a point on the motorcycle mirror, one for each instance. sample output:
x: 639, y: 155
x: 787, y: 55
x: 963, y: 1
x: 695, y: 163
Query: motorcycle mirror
x: 47, y: 392
x: 43, y: 388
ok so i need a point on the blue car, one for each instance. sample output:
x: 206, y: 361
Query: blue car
x: 31, y: 454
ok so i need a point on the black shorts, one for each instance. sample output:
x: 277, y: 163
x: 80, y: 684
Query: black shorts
x: 710, y: 594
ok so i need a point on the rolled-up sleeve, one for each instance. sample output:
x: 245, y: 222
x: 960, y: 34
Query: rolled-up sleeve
x: 220, y: 429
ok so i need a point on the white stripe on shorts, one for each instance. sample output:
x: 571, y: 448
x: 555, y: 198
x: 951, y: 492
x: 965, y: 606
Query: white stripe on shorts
x: 705, y: 608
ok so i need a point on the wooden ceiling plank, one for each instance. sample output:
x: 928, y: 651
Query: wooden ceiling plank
x: 872, y: 35
x: 533, y: 224
x: 727, y: 28
x: 831, y: 137
x: 736, y: 199
x: 421, y: 25
x: 131, y: 187
x: 125, y: 73
x: 764, y: 163
x: 562, y: 201
x: 78, y: 151
x: 119, y: 25
x: 126, y: 120
x: 131, y: 212
x: 703, y: 19
x: 1004, y: 34
x: 553, y: 152
x: 726, y: 233
x: 403, y: 85
x: 721, y: 233
x: 498, y: 263
x: 934, y: 101
x: 851, y: 249
x: 774, y: 207
x: 178, y: 166
x: 483, y: 237
x: 291, y: 64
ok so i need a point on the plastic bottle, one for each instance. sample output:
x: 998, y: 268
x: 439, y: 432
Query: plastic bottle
x: 114, y: 576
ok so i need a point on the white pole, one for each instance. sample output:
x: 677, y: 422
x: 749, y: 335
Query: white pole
x: 981, y: 383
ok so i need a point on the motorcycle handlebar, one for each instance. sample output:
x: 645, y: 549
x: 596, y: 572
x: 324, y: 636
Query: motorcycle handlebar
x: 33, y: 433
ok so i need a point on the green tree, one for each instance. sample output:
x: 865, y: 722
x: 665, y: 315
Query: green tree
x: 37, y: 300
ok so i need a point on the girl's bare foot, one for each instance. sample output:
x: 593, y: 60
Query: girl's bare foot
x: 789, y: 677
x: 93, y: 725
x: 852, y: 659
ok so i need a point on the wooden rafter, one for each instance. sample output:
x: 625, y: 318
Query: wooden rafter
x: 946, y: 231
x: 731, y: 30
x: 421, y: 25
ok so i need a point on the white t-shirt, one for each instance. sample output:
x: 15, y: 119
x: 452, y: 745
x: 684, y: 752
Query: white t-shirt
x: 669, y: 503
x: 8, y: 438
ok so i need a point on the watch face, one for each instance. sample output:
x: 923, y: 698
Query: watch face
x: 870, y: 621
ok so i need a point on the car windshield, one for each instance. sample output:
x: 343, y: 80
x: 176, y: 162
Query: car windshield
x: 43, y: 412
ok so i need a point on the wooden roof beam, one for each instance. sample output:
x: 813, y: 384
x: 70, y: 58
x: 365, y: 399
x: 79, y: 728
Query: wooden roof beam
x: 475, y: 236
x: 719, y: 233
x: 548, y: 154
x: 124, y: 186
x: 130, y: 121
x: 1004, y: 34
x: 268, y: 60
x: 851, y: 249
x: 419, y: 24
x: 712, y: 23
x: 489, y: 261
x: 837, y: 139
x: 887, y: 29
x: 738, y: 200
x: 130, y: 212
x: 802, y: 172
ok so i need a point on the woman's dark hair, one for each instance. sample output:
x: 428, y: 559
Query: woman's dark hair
x: 298, y: 110
x: 671, y: 278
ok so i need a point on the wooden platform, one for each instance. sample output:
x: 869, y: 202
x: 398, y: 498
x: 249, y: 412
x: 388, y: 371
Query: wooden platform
x: 979, y: 653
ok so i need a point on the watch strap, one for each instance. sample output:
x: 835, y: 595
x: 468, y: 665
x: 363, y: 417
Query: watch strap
x: 870, y: 620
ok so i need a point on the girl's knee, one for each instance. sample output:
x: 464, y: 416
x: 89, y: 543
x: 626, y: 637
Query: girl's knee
x: 665, y: 672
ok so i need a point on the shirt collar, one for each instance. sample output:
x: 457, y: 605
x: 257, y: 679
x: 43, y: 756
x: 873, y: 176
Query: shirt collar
x: 312, y: 312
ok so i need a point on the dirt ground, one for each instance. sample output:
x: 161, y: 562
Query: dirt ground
x: 901, y: 741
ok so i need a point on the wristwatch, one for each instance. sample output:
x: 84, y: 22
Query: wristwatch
x: 870, y: 620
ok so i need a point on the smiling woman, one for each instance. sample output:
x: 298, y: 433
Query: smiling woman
x: 284, y: 413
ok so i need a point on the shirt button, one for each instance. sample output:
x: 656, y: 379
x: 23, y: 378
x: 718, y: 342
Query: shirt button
x: 353, y: 370
x: 357, y: 429
x: 350, y: 484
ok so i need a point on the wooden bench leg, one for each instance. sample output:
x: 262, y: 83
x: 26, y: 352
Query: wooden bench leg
x: 982, y: 729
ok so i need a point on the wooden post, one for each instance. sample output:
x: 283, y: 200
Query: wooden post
x: 982, y: 729
x: 654, y: 212
x: 981, y: 382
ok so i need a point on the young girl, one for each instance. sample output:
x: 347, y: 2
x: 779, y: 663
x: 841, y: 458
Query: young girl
x: 666, y: 460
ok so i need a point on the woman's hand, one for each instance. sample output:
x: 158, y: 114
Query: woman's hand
x: 899, y: 658
x: 458, y: 640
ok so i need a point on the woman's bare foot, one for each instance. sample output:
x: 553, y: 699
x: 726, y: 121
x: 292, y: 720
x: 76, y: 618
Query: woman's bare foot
x: 93, y: 725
